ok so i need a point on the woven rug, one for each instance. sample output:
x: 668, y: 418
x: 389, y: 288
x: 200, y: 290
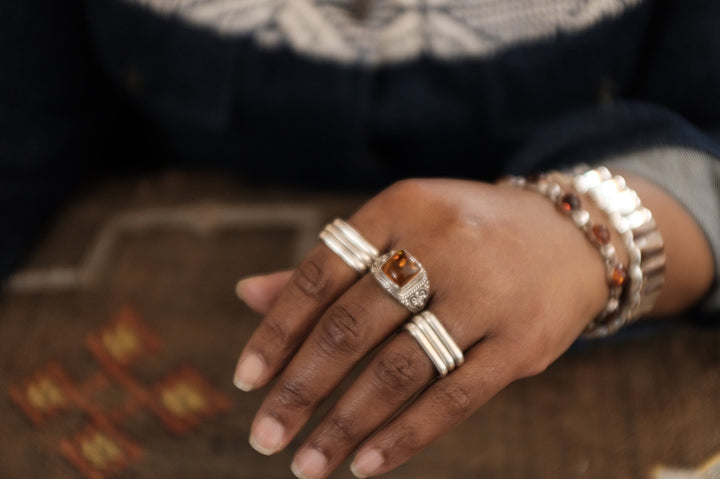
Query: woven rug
x: 119, y: 335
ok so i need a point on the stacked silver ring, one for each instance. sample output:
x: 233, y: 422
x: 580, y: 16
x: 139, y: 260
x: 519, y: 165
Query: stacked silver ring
x: 436, y: 342
x: 349, y: 245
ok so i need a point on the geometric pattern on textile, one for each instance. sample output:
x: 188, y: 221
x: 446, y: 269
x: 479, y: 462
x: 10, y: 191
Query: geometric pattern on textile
x: 201, y: 219
x: 181, y: 401
x: 379, y: 32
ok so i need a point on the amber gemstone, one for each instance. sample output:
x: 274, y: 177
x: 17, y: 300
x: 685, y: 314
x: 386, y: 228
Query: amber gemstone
x: 619, y: 275
x: 401, y: 268
x: 570, y: 202
x: 601, y: 234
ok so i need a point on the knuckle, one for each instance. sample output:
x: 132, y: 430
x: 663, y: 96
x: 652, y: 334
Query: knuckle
x: 453, y: 400
x: 407, y: 188
x: 292, y: 394
x: 310, y: 280
x: 277, y: 330
x: 409, y: 185
x: 534, y: 367
x: 406, y: 440
x: 342, y: 330
x: 533, y: 360
x: 340, y: 429
x: 398, y: 373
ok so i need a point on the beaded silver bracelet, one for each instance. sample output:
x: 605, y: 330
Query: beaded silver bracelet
x: 598, y: 235
x: 636, y: 225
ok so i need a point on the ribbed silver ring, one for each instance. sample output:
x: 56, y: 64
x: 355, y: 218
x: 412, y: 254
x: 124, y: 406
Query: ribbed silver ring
x: 436, y: 342
x: 349, y: 245
x: 445, y: 337
x: 425, y: 344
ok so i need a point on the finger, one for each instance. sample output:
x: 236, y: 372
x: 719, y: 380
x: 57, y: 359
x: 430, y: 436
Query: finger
x: 441, y: 407
x: 261, y: 292
x: 313, y: 286
x: 396, y: 374
x: 360, y: 319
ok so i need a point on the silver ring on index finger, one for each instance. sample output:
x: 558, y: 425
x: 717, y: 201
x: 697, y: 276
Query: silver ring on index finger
x: 349, y: 245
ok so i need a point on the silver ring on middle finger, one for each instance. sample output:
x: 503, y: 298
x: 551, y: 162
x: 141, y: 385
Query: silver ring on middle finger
x: 404, y: 278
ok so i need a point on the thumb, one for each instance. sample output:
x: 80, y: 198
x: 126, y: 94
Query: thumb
x: 260, y: 292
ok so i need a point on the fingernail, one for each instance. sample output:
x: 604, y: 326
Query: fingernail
x: 267, y: 436
x: 309, y: 464
x: 239, y: 289
x: 366, y: 463
x: 248, y: 372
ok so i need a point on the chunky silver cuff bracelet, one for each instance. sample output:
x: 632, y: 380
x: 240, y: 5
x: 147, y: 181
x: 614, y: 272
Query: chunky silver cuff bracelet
x: 635, y: 224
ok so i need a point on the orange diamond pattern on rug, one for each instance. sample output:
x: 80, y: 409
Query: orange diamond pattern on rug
x: 181, y: 401
x: 45, y: 394
x: 186, y: 399
x: 126, y: 338
x: 100, y: 452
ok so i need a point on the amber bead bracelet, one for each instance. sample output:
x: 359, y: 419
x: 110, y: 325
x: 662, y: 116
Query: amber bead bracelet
x: 597, y: 233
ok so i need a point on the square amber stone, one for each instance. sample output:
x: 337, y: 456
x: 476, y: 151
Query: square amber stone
x: 401, y: 268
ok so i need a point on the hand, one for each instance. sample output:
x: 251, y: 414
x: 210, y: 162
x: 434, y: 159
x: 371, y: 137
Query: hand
x: 513, y: 281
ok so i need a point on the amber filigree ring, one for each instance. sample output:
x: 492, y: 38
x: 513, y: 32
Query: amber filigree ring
x: 401, y: 275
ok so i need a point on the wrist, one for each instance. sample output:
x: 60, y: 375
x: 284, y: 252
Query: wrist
x: 636, y: 278
x: 584, y: 256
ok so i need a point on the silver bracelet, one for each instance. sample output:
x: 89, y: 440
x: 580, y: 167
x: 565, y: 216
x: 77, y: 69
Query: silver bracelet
x: 635, y: 224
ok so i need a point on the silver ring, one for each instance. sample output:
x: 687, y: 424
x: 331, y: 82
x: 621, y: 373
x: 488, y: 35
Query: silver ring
x: 436, y: 342
x: 404, y: 278
x: 349, y: 245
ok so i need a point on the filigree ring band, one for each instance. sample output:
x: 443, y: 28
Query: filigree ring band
x: 404, y: 278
